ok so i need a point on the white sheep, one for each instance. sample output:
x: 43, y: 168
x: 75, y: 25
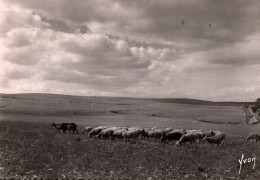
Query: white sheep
x: 218, y: 138
x: 254, y: 136
x: 108, y: 133
x: 189, y: 131
x: 209, y: 133
x: 118, y: 134
x: 156, y: 134
x: 198, y: 134
x: 97, y: 130
x: 164, y: 132
x: 187, y: 138
x: 134, y: 134
x: 154, y: 128
x: 168, y: 129
x: 87, y: 129
x: 134, y: 128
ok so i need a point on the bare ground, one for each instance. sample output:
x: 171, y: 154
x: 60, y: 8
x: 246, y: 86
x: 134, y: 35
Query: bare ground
x: 35, y: 150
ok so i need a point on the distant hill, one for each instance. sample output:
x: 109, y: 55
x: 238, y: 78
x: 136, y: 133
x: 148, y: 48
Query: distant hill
x: 120, y: 107
x: 162, y: 100
x: 199, y: 102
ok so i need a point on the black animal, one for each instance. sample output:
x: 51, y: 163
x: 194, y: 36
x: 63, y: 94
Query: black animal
x: 66, y: 126
x: 172, y: 136
x: 57, y: 126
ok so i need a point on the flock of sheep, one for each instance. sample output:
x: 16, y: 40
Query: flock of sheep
x: 181, y: 136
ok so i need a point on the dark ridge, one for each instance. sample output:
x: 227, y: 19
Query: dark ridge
x: 216, y: 122
x: 199, y: 102
x: 162, y: 100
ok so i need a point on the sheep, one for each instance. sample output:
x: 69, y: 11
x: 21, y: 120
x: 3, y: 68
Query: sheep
x: 108, y: 133
x: 57, y: 126
x: 134, y: 128
x: 197, y: 135
x: 87, y: 129
x: 66, y: 126
x: 151, y: 134
x: 164, y: 132
x: 134, y: 134
x: 72, y: 127
x: 154, y: 128
x: 168, y: 129
x: 171, y: 136
x: 193, y: 131
x: 252, y: 136
x: 200, y: 134
x: 209, y: 133
x: 144, y: 135
x: 118, y: 134
x: 216, y: 139
x: 97, y: 130
x: 187, y: 138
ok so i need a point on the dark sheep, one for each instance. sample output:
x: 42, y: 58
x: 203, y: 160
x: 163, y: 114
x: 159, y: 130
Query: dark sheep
x: 254, y: 136
x: 72, y: 127
x: 187, y: 138
x: 66, y: 126
x: 57, y: 126
x: 172, y: 136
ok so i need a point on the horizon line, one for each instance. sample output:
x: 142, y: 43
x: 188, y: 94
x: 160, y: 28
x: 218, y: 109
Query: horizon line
x: 132, y: 97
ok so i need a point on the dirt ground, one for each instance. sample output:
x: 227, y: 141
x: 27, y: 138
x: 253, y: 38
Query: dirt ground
x: 36, y: 150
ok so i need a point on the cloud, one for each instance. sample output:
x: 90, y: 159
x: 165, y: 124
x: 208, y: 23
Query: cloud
x: 131, y: 48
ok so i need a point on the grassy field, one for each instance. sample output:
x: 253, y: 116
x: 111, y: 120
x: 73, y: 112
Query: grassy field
x: 31, y: 148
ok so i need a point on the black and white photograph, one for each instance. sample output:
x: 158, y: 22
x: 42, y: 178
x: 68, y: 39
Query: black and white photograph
x: 130, y: 89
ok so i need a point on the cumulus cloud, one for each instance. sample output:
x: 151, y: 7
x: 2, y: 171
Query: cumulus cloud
x: 203, y: 49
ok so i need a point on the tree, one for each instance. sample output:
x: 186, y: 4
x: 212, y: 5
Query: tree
x: 257, y: 104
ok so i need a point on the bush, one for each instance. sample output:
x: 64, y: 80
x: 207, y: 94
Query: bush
x: 257, y: 104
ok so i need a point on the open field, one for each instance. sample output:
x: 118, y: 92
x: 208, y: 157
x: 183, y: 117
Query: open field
x: 31, y: 148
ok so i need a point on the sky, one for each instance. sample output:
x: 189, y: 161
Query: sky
x: 203, y: 49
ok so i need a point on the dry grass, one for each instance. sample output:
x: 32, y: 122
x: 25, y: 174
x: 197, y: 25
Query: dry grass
x: 35, y: 150
x: 31, y: 148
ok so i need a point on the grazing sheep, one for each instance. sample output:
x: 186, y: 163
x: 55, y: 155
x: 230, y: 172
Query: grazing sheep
x: 154, y: 128
x: 87, y: 129
x: 201, y: 135
x: 187, y: 138
x: 108, y: 133
x: 164, y: 132
x: 254, y: 136
x: 193, y: 131
x: 168, y: 129
x: 151, y: 134
x: 66, y: 126
x: 218, y: 138
x: 97, y: 130
x: 172, y: 136
x: 72, y: 127
x: 209, y: 133
x: 134, y: 134
x: 118, y: 134
x: 144, y: 135
x: 198, y: 135
x: 183, y: 131
x: 57, y: 126
x: 134, y: 128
